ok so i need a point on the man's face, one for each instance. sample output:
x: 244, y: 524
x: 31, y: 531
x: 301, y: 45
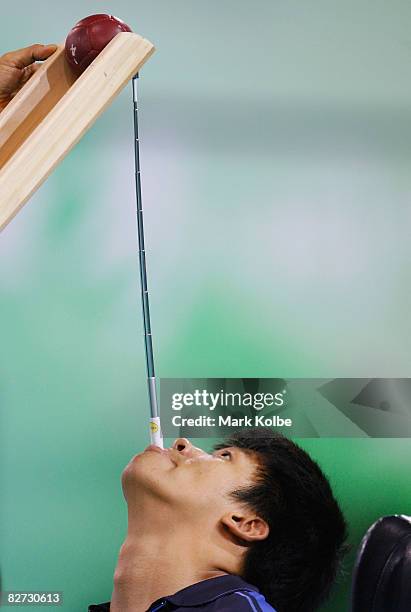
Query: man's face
x: 189, y: 480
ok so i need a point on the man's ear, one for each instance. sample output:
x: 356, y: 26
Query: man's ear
x: 247, y: 527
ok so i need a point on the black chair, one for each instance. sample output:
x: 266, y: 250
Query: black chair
x: 382, y: 572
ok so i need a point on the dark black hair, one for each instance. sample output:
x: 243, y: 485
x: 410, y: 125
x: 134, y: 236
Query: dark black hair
x: 296, y: 565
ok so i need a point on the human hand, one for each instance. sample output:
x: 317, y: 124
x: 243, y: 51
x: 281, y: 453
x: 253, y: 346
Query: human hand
x: 16, y: 67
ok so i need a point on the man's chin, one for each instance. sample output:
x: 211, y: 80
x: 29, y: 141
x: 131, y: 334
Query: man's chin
x: 145, y: 465
x: 147, y: 473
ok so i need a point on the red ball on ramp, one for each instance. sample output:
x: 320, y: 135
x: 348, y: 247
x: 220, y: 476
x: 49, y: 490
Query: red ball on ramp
x: 89, y: 36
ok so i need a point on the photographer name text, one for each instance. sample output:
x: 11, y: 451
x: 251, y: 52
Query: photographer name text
x: 230, y: 421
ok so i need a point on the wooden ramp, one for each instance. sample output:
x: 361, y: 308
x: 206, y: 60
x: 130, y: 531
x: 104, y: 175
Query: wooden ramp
x: 53, y: 110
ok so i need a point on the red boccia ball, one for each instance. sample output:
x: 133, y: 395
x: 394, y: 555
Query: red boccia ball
x: 89, y: 36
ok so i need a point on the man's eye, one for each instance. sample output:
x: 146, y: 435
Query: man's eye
x: 226, y: 454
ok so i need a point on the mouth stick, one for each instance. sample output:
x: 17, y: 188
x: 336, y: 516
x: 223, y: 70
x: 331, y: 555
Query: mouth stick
x: 155, y: 428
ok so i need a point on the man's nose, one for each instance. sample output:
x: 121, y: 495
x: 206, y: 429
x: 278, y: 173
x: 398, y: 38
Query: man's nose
x: 183, y: 446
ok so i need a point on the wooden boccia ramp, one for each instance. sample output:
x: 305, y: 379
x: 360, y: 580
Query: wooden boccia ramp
x: 53, y: 110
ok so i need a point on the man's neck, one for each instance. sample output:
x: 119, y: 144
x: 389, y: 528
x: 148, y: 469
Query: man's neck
x: 151, y: 566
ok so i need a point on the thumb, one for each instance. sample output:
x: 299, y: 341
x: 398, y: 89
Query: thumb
x: 26, y: 56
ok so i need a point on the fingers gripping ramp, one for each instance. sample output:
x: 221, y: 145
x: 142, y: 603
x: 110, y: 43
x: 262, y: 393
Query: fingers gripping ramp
x: 53, y: 110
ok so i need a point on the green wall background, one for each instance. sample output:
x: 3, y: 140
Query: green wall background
x: 276, y: 148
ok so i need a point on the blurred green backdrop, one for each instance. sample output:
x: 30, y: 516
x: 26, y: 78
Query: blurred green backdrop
x: 276, y: 149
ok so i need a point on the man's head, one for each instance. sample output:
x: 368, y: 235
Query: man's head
x: 187, y: 486
x: 259, y: 504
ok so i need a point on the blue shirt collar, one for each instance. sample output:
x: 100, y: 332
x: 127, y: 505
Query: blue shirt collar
x: 206, y: 591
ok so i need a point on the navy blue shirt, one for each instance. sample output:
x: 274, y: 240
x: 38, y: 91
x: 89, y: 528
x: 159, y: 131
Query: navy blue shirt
x: 223, y: 594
